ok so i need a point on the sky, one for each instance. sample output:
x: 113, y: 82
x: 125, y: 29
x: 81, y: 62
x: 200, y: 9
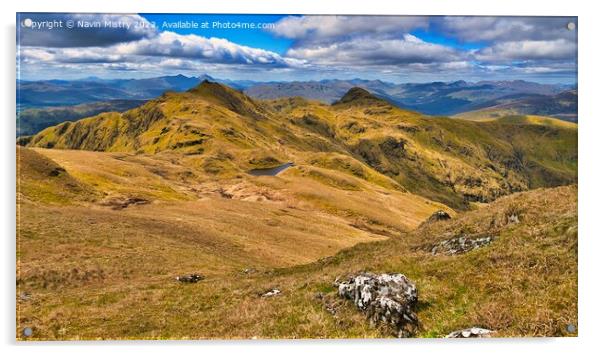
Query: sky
x: 297, y: 48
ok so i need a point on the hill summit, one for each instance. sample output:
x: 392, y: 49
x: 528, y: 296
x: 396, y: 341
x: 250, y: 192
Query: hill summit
x: 358, y: 95
x: 227, y: 97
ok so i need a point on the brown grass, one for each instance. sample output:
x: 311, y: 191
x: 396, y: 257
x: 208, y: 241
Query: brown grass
x: 97, y: 273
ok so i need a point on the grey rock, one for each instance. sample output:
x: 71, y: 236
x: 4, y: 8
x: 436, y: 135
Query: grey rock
x: 271, y: 293
x: 190, y: 278
x: 461, y: 244
x: 473, y: 332
x: 385, y: 298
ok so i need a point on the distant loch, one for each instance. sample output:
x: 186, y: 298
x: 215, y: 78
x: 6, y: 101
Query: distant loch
x: 273, y: 171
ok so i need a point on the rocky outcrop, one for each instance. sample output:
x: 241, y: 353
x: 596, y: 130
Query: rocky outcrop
x: 385, y: 298
x: 461, y: 244
x: 474, y: 332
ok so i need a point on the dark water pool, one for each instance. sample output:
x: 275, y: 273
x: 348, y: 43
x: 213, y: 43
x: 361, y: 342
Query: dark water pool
x: 273, y: 171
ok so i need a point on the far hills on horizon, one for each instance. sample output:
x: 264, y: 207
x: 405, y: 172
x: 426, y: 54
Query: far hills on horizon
x: 37, y: 101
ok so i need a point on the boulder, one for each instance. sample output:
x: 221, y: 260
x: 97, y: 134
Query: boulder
x: 385, y: 298
x: 474, y: 332
x: 439, y: 215
x: 461, y: 244
x: 190, y: 278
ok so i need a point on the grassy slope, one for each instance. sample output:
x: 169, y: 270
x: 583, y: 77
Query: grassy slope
x: 364, y: 171
x: 490, y: 114
x: 451, y: 161
x: 32, y: 121
x: 75, y: 252
x: 111, y: 285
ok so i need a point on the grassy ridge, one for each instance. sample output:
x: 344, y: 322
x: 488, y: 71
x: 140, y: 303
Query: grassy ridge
x: 33, y: 120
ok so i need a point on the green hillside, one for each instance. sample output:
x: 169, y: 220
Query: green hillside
x: 31, y: 121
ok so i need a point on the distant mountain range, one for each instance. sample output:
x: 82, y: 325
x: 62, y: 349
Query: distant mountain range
x: 562, y: 106
x: 35, y: 94
x: 435, y: 98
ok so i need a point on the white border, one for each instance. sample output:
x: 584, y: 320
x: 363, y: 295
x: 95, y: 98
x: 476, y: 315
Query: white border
x: 590, y: 176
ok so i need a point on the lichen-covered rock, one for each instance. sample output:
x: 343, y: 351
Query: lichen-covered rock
x: 385, y: 298
x: 461, y: 244
x: 474, y: 332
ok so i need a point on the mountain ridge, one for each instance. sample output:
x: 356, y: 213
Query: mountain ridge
x: 449, y: 161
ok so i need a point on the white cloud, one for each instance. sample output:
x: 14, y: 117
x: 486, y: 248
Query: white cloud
x: 166, y: 45
x: 326, y: 28
x: 499, y: 29
x: 559, y: 49
x: 69, y: 55
x: 367, y: 51
x: 170, y: 44
x: 456, y: 65
x: 321, y: 45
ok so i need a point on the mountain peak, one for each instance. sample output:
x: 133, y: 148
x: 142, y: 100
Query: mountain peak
x: 227, y: 97
x: 209, y: 88
x: 358, y: 95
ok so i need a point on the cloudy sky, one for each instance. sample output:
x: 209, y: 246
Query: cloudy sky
x: 272, y: 47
